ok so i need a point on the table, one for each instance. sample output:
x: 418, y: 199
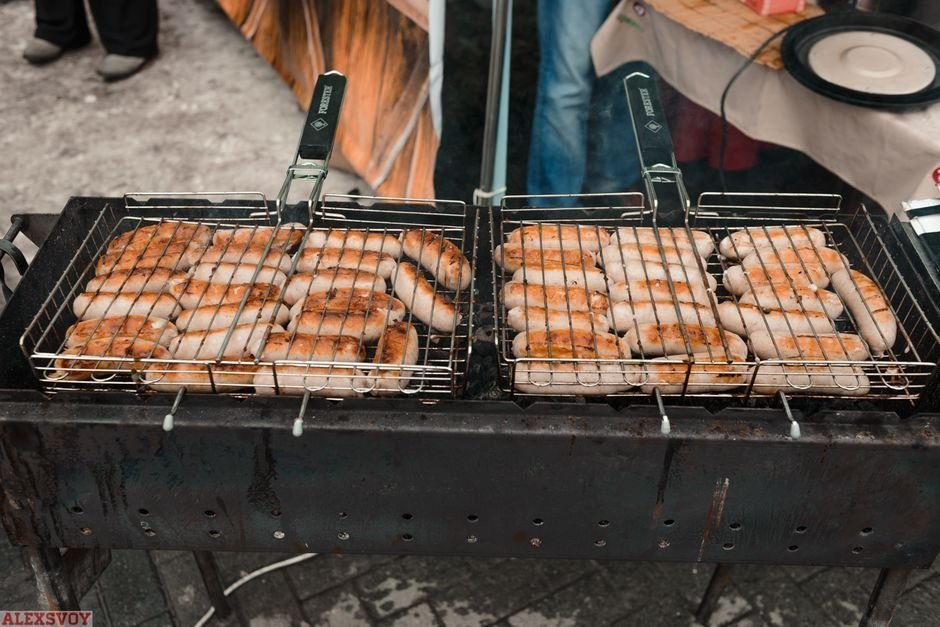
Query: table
x: 888, y: 156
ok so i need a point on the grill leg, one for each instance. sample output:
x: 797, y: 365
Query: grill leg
x: 212, y: 579
x: 884, y: 597
x: 52, y: 581
x: 716, y: 585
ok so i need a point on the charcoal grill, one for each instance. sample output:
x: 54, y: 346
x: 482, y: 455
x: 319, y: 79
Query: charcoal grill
x: 483, y: 473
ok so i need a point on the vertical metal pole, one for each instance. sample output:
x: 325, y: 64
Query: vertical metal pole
x: 495, y: 129
x: 212, y: 579
x: 884, y: 597
x: 721, y: 576
x: 52, y: 581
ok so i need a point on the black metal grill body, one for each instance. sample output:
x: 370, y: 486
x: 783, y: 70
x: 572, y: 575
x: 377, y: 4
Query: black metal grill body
x: 471, y: 477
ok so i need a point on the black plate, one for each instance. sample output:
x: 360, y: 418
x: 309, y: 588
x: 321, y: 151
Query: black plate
x: 800, y: 39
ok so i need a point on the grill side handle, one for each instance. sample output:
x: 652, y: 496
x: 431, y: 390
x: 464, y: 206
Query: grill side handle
x: 665, y: 188
x: 7, y: 247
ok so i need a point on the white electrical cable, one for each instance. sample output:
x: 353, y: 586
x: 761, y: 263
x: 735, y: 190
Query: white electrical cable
x: 264, y: 570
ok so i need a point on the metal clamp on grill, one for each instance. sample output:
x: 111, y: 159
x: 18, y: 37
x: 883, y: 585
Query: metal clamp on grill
x: 742, y: 295
x: 228, y: 293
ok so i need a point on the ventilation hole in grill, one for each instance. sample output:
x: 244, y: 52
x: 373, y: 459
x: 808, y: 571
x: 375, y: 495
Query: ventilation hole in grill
x: 86, y: 531
x: 603, y: 523
x: 857, y: 550
x: 727, y: 546
x: 209, y: 513
x: 734, y: 526
x: 278, y: 535
x: 343, y: 535
x: 214, y: 533
x: 793, y: 548
x: 600, y: 543
x: 472, y: 539
x: 538, y: 522
x: 150, y: 532
x: 669, y: 522
x: 276, y: 513
x: 801, y: 529
x: 866, y: 531
x: 407, y: 516
x: 473, y: 518
x: 536, y: 542
x: 407, y: 537
x: 77, y: 509
x: 143, y: 512
x: 343, y: 515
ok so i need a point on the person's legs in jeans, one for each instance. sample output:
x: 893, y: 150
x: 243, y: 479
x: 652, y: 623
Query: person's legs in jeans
x: 62, y: 22
x: 614, y: 165
x: 558, y: 149
x: 127, y: 27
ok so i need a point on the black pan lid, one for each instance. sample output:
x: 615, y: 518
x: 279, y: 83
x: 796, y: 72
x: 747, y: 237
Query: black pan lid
x: 852, y: 28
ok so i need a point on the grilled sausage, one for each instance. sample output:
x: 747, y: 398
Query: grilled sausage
x: 342, y: 300
x: 398, y: 346
x: 599, y: 344
x: 331, y: 381
x: 624, y: 316
x: 827, y: 380
x: 193, y: 293
x: 830, y: 260
x: 870, y: 310
x: 254, y: 255
x: 226, y: 273
x: 651, y: 339
x: 623, y: 254
x: 154, y: 280
x: 224, y: 316
x: 303, y: 284
x: 157, y: 330
x: 101, y: 356
x: 561, y: 236
x: 439, y: 257
x: 747, y: 319
x: 316, y: 259
x: 659, y: 290
x: 571, y: 276
x: 157, y: 235
x: 700, y: 241
x: 557, y: 298
x: 284, y: 236
x: 199, y: 378
x: 809, y: 346
x: 367, y: 326
x: 705, y: 376
x: 175, y: 257
x: 377, y: 241
x: 512, y: 256
x: 745, y: 241
x: 560, y: 374
x: 797, y: 298
x: 244, y: 340
x: 431, y: 308
x: 90, y: 305
x: 636, y: 271
x: 738, y: 281
x: 537, y: 318
x: 308, y: 347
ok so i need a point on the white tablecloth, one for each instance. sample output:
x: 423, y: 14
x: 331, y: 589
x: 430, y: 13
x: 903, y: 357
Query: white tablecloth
x: 888, y: 156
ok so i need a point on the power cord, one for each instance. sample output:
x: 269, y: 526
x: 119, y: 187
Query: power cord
x: 724, y: 96
x: 264, y: 570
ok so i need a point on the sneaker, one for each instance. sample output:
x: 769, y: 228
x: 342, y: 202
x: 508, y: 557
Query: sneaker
x: 116, y: 67
x: 39, y: 51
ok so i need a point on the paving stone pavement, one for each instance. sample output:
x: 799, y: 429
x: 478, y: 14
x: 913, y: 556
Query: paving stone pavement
x: 164, y: 588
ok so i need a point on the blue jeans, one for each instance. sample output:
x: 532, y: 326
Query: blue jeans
x: 569, y: 96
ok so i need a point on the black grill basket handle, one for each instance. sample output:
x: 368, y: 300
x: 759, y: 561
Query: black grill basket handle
x: 8, y: 248
x: 668, y: 197
x: 316, y: 142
